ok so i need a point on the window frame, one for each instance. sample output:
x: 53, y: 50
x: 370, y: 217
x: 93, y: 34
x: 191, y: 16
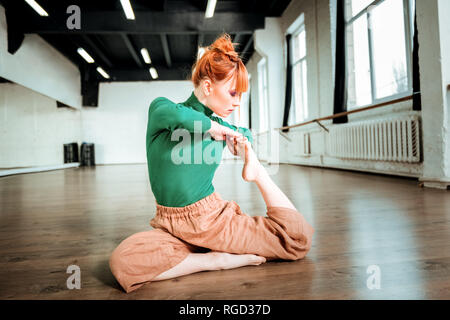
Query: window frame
x: 303, y: 86
x: 263, y: 95
x: 409, y: 43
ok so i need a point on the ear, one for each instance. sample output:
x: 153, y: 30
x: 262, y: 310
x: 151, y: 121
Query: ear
x: 207, y: 86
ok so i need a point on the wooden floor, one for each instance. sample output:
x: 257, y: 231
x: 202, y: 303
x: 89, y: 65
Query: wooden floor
x: 54, y: 219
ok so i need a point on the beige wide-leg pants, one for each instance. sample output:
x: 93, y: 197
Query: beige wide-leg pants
x: 210, y: 224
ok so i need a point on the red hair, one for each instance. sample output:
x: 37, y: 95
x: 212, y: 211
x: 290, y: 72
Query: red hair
x: 220, y: 61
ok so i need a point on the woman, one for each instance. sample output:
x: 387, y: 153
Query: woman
x: 194, y: 228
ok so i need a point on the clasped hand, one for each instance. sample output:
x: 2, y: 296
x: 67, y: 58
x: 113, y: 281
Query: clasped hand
x: 233, y: 138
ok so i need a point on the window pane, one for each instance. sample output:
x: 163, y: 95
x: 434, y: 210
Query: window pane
x: 266, y: 109
x: 299, y: 46
x: 358, y: 63
x: 300, y: 92
x: 388, y: 34
x: 304, y: 91
x: 295, y: 49
x: 263, y: 114
x: 355, y: 6
x: 291, y: 118
x: 264, y: 69
x: 302, y: 44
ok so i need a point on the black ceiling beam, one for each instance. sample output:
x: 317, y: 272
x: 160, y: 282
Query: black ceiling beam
x: 165, y: 46
x: 254, y: 4
x: 178, y: 72
x: 247, y: 46
x: 271, y: 6
x: 97, y: 51
x: 111, y: 22
x: 15, y: 36
x: 131, y: 49
x: 89, y: 85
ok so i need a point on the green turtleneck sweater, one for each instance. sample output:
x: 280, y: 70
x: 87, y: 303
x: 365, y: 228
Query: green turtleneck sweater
x: 181, y: 163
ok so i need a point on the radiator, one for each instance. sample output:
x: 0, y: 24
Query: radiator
x: 383, y: 140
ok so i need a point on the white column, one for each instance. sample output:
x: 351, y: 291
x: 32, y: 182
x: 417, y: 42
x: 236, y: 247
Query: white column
x: 269, y: 42
x: 434, y: 59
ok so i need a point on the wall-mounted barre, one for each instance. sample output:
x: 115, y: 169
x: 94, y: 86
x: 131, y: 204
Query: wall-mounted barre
x: 338, y: 115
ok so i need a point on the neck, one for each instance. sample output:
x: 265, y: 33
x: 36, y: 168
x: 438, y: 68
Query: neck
x: 200, y: 95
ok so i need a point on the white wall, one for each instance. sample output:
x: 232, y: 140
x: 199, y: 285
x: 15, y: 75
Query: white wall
x: 40, y: 67
x: 118, y: 125
x: 32, y: 129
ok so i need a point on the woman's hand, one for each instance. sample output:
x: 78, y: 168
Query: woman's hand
x: 237, y: 145
x: 219, y: 132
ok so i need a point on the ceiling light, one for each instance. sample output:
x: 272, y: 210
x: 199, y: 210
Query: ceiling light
x: 37, y: 7
x: 85, y: 55
x: 127, y: 9
x: 146, y: 56
x: 210, y: 7
x: 153, y: 73
x: 102, y: 72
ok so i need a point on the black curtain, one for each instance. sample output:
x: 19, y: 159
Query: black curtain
x: 13, y: 30
x: 417, y: 101
x: 340, y: 81
x: 288, y: 95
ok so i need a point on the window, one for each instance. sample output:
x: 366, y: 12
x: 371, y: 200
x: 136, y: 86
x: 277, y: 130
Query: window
x: 263, y: 96
x: 299, y: 108
x: 379, y: 50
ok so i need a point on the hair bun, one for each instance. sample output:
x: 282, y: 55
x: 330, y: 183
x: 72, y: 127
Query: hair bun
x: 224, y: 45
x: 219, y: 61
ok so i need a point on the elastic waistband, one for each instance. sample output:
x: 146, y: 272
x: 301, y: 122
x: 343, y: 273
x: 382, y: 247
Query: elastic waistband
x: 211, y: 202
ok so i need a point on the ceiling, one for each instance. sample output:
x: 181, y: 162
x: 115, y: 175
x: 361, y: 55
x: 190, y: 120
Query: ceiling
x: 171, y: 31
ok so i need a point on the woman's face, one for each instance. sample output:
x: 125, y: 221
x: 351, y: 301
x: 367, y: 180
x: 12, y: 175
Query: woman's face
x: 223, y: 98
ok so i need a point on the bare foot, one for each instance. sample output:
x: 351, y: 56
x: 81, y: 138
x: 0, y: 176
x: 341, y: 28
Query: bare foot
x: 224, y: 260
x: 252, y: 166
